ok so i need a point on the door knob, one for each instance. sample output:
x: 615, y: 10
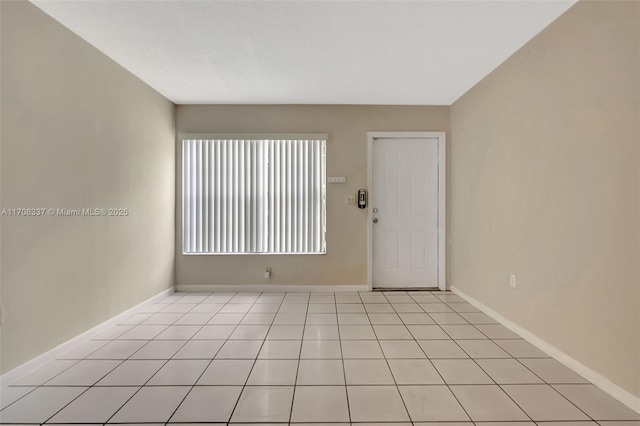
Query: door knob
x: 375, y: 220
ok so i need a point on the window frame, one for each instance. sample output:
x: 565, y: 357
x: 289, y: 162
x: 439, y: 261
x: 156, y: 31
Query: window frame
x: 253, y: 136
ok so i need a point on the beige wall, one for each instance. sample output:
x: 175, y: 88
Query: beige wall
x: 347, y: 126
x: 77, y: 131
x: 545, y: 184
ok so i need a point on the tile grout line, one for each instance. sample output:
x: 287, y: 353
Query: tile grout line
x: 544, y: 382
x: 508, y: 356
x: 304, y: 329
x: 404, y: 404
x: 216, y: 354
x: 384, y: 356
x: 110, y: 371
x: 335, y: 359
x: 235, y: 406
x: 481, y: 369
x: 75, y: 362
x: 163, y: 365
x: 344, y: 370
x: 91, y: 386
x: 440, y: 374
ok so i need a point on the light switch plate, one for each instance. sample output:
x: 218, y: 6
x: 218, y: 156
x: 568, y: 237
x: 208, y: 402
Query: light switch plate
x: 337, y: 179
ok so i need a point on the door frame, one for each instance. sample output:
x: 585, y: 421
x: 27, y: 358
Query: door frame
x: 442, y: 186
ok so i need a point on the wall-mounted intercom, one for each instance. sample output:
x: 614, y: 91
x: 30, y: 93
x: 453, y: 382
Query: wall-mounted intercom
x: 362, y: 198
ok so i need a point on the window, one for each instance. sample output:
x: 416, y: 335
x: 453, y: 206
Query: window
x: 253, y: 195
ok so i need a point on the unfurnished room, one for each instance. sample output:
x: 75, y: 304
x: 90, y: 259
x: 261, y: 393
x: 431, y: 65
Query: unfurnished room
x: 320, y: 212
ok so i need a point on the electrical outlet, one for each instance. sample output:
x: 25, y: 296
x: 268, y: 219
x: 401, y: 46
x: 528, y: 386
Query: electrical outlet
x: 351, y: 199
x: 267, y: 273
x: 512, y: 281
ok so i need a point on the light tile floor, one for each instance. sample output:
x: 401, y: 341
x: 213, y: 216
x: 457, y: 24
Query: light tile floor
x: 395, y: 357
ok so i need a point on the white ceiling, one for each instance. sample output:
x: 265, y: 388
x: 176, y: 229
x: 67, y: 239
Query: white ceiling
x: 308, y: 52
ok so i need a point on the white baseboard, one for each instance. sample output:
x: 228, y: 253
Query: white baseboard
x: 22, y: 370
x: 272, y: 287
x: 625, y: 397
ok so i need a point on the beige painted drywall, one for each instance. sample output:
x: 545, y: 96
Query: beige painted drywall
x: 545, y: 184
x: 77, y: 131
x: 347, y: 126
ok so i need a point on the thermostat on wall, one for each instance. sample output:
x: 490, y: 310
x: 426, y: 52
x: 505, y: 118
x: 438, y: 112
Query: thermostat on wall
x: 337, y: 179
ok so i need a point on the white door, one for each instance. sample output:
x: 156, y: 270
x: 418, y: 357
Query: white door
x: 404, y: 201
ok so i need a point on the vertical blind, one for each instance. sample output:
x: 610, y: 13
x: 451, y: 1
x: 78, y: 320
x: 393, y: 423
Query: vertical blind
x: 245, y: 196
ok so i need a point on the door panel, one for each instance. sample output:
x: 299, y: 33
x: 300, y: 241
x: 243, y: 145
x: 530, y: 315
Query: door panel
x: 405, y: 194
